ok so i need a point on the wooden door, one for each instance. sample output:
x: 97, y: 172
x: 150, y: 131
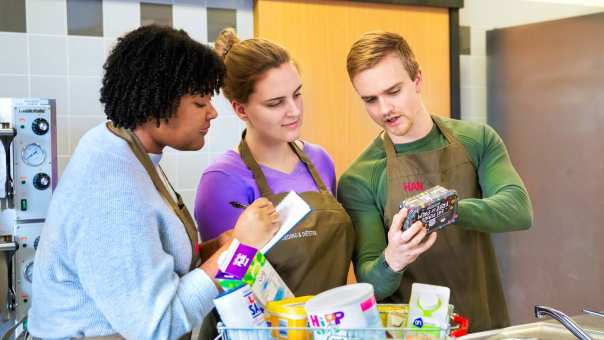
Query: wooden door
x: 318, y: 35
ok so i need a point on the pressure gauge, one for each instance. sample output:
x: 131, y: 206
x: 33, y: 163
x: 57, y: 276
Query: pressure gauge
x: 33, y: 154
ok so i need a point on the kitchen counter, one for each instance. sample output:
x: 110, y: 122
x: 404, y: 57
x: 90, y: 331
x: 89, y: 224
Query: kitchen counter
x: 547, y: 329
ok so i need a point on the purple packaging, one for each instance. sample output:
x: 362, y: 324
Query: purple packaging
x: 238, y: 263
x: 242, y: 264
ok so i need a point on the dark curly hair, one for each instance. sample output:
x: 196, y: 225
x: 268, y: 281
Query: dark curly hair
x: 150, y: 69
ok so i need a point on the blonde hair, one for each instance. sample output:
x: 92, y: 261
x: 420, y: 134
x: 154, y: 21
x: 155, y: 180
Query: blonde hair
x: 246, y: 62
x: 374, y: 46
x: 225, y: 40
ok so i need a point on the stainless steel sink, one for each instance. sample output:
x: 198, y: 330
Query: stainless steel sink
x: 543, y: 330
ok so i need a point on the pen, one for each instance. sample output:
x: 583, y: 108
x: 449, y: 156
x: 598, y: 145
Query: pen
x: 238, y: 205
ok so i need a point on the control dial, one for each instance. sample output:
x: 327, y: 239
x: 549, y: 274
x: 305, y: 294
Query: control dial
x: 41, y: 181
x: 28, y: 272
x: 40, y: 126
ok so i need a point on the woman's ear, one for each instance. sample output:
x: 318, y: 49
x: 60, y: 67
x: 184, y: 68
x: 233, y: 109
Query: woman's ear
x: 239, y: 110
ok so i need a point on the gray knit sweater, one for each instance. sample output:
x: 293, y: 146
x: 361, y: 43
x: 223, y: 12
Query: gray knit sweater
x: 113, y: 257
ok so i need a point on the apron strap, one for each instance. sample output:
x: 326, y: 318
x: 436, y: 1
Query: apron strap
x: 388, y: 147
x: 180, y: 209
x: 444, y: 130
x: 390, y: 159
x: 311, y: 167
x: 261, y: 182
x: 250, y: 162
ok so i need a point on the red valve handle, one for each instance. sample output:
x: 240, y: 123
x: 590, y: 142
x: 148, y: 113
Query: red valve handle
x: 463, y: 323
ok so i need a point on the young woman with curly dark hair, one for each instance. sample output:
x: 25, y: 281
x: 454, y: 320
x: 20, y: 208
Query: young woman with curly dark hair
x: 118, y: 254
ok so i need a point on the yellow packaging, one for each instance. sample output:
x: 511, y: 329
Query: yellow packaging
x: 288, y: 313
x: 393, y: 315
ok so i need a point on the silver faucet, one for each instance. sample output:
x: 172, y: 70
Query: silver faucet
x: 593, y: 313
x: 543, y: 311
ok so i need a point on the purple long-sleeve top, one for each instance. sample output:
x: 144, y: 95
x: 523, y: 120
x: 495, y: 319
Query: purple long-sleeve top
x: 229, y: 179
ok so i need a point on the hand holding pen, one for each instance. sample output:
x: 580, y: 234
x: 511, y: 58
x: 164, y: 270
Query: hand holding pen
x: 257, y: 224
x: 238, y: 205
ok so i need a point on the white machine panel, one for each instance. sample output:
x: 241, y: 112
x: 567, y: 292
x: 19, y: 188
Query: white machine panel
x: 28, y: 130
x: 27, y: 236
x: 33, y: 158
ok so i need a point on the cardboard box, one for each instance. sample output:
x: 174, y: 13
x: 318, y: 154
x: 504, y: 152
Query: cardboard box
x: 242, y: 264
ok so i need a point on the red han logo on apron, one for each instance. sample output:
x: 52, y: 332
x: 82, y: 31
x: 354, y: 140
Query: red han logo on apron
x: 413, y: 186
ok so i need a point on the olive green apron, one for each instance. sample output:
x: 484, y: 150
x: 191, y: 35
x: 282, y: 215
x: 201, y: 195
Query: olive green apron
x: 179, y: 208
x: 461, y: 259
x: 315, y: 255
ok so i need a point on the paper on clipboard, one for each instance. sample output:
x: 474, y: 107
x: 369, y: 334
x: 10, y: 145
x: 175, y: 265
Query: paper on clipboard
x: 291, y: 210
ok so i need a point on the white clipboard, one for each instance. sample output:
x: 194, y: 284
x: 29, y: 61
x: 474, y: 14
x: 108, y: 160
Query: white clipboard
x: 292, y: 209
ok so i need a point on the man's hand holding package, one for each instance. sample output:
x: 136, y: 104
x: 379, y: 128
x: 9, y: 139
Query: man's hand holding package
x: 405, y: 246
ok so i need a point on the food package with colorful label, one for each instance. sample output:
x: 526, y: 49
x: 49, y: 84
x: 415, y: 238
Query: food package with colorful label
x: 238, y: 308
x: 435, y: 207
x: 242, y: 264
x: 346, y: 312
x: 288, y: 316
x: 429, y: 309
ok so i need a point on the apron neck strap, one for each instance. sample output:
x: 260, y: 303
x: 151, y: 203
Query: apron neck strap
x: 311, y: 167
x: 444, y: 130
x: 250, y: 162
x: 389, y: 145
x: 247, y: 157
x: 178, y: 207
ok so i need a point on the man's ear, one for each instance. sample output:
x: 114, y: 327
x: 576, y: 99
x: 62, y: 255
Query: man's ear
x: 239, y: 110
x: 418, y: 81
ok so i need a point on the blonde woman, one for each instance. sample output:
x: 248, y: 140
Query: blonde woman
x: 264, y: 88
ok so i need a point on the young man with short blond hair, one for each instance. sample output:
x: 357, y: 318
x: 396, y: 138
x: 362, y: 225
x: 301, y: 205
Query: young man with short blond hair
x: 415, y: 152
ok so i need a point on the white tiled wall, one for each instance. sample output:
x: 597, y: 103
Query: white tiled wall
x: 120, y: 16
x: 46, y: 62
x: 46, y: 16
x: 48, y: 54
x: 187, y: 15
x: 84, y: 96
x: 13, y: 58
x: 86, y: 56
x: 54, y: 87
x: 484, y: 15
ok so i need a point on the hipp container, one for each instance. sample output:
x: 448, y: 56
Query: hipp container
x: 289, y: 315
x: 351, y: 306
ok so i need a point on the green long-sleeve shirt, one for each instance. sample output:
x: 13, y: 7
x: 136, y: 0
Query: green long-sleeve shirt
x: 362, y: 189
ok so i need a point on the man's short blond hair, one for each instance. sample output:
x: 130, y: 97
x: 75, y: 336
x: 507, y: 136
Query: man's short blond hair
x: 374, y: 46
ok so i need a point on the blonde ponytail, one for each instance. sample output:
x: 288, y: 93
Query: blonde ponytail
x: 225, y: 41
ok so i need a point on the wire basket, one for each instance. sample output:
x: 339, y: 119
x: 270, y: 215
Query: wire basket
x: 306, y: 333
